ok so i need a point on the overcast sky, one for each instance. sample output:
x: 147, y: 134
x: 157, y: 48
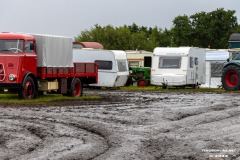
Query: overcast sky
x: 70, y: 17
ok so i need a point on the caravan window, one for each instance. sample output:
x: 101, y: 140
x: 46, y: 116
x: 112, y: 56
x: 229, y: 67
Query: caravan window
x: 106, y: 65
x: 170, y: 62
x: 122, y: 66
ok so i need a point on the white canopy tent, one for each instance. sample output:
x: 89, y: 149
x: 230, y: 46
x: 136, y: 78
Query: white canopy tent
x: 215, y: 60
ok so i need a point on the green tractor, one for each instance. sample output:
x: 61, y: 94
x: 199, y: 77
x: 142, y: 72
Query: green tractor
x: 231, y: 70
x: 141, y: 75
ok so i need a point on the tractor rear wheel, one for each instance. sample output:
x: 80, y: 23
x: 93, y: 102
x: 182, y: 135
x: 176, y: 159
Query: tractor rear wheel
x: 231, y: 78
x: 142, y: 82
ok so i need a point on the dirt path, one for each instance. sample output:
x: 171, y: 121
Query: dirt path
x: 125, y: 125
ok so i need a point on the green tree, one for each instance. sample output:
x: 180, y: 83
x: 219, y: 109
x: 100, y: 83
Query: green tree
x: 123, y: 38
x: 182, y: 31
x: 214, y: 28
x: 201, y: 30
x: 166, y: 39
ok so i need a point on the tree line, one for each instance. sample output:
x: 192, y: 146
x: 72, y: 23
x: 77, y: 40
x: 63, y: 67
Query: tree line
x: 206, y: 30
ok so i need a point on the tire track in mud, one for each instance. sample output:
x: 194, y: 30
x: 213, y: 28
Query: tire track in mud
x: 177, y: 126
x: 26, y: 137
x: 193, y: 127
x: 131, y: 125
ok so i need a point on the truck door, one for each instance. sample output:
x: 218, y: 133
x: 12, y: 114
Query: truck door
x: 30, y: 60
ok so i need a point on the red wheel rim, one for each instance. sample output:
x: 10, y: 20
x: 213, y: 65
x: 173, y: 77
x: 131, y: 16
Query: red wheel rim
x: 142, y: 84
x: 231, y: 78
x: 77, y: 89
x: 28, y: 89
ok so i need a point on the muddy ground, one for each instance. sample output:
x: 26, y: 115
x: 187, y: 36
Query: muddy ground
x: 125, y: 126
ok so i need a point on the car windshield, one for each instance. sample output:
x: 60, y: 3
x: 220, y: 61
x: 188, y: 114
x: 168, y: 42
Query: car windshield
x: 11, y: 46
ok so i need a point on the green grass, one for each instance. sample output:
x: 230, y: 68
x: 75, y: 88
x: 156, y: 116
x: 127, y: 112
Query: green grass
x: 51, y: 99
x: 59, y: 100
x: 171, y: 89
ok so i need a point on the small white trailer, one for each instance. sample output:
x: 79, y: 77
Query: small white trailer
x: 178, y: 66
x: 113, y: 70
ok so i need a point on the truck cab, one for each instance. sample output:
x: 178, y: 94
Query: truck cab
x: 231, y: 70
x: 17, y: 59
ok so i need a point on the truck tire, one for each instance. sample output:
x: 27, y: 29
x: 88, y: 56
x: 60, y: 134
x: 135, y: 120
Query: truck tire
x: 142, y: 82
x: 28, y: 90
x: 76, y: 88
x: 231, y: 78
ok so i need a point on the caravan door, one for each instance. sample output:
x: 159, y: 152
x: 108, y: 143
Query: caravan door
x: 192, y: 71
x: 196, y: 74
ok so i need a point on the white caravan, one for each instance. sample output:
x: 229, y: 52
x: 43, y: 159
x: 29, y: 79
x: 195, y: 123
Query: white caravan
x: 113, y: 68
x: 178, y: 66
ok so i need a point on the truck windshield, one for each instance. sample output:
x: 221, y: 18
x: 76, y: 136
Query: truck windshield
x: 236, y: 56
x: 11, y: 46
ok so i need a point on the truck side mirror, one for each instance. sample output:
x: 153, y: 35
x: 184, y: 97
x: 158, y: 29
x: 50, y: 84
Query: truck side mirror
x: 31, y: 46
x: 228, y: 60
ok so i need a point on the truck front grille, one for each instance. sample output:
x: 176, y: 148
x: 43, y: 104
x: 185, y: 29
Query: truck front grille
x: 2, y: 72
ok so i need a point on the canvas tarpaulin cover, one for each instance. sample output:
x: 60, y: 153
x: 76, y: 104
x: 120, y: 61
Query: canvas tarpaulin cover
x: 54, y: 51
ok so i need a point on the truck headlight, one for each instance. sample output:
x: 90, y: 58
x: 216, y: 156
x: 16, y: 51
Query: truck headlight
x: 11, y: 77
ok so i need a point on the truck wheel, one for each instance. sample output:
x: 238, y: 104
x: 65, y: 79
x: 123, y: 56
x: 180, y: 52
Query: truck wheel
x: 29, y: 89
x: 231, y: 78
x: 76, y: 88
x: 142, y: 82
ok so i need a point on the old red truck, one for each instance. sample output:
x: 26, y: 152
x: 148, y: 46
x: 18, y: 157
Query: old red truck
x: 32, y: 63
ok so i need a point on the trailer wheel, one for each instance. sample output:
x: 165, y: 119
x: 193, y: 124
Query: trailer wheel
x: 28, y: 91
x: 76, y: 88
x: 142, y: 82
x: 231, y: 78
